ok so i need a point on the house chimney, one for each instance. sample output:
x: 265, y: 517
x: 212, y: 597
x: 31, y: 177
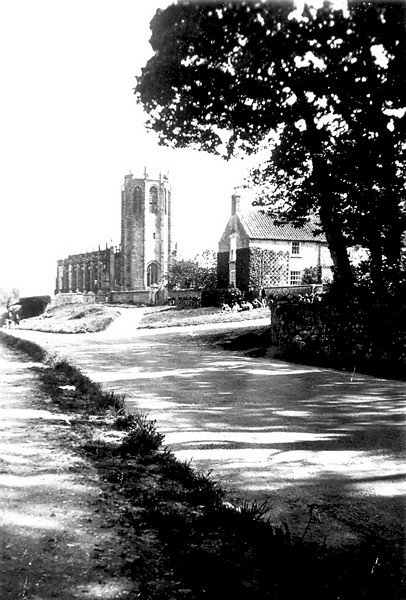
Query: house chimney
x: 235, y: 203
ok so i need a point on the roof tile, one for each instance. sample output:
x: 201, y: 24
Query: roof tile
x: 261, y: 226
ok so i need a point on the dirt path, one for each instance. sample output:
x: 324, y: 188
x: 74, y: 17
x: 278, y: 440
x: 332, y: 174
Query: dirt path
x: 58, y: 538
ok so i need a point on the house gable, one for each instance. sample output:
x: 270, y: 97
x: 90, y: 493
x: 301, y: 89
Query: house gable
x: 234, y: 226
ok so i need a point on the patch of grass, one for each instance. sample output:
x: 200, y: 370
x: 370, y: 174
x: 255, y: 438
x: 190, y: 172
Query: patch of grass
x: 74, y: 391
x: 73, y: 318
x: 180, y: 317
x: 142, y: 438
x: 25, y: 347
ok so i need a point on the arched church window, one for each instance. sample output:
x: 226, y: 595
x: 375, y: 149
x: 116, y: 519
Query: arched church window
x: 153, y: 199
x: 137, y: 196
x: 152, y: 274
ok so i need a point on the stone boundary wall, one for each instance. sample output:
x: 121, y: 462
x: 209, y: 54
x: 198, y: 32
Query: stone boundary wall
x: 73, y: 298
x: 186, y: 293
x: 367, y: 336
x: 153, y: 297
x: 185, y: 298
x: 295, y: 290
x: 133, y: 297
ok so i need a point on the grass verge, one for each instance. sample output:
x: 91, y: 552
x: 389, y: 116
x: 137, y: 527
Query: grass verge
x: 82, y: 318
x: 170, y: 316
x: 187, y: 540
x: 73, y: 318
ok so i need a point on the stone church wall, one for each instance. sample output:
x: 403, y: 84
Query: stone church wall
x: 89, y: 272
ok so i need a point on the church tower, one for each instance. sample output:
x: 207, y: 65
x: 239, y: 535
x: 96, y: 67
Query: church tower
x: 145, y: 231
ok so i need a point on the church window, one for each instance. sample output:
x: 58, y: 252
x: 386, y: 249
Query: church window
x: 137, y: 199
x: 153, y: 200
x: 152, y: 274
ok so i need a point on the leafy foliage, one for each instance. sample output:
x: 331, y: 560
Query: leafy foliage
x: 143, y: 437
x: 8, y: 296
x: 321, y: 95
x: 33, y: 306
x: 198, y: 273
x: 311, y: 275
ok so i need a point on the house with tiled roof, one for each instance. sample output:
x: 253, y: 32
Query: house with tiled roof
x: 254, y: 252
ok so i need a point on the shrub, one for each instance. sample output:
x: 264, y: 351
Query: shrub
x: 143, y: 437
x: 312, y: 275
x: 33, y: 306
x: 217, y: 297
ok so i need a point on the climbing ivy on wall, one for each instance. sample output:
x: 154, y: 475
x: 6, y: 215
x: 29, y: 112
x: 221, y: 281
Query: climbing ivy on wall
x: 243, y: 269
x: 255, y: 267
x: 268, y: 267
x: 222, y: 269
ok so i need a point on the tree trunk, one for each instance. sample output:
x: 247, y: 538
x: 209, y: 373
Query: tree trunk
x: 385, y: 243
x: 338, y: 249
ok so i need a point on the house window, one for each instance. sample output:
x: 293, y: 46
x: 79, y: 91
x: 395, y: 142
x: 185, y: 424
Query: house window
x: 152, y: 274
x: 232, y: 278
x: 295, y: 277
x: 137, y: 199
x: 233, y: 249
x: 153, y: 200
x: 296, y: 248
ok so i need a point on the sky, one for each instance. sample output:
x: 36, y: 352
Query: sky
x: 70, y: 129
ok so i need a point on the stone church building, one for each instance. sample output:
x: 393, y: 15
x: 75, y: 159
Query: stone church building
x: 141, y: 261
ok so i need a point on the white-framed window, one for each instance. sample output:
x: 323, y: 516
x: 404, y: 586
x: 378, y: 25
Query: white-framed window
x: 295, y: 248
x: 295, y: 277
x: 232, y: 277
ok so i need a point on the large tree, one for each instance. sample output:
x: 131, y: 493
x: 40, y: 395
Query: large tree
x: 321, y: 94
x: 197, y: 273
